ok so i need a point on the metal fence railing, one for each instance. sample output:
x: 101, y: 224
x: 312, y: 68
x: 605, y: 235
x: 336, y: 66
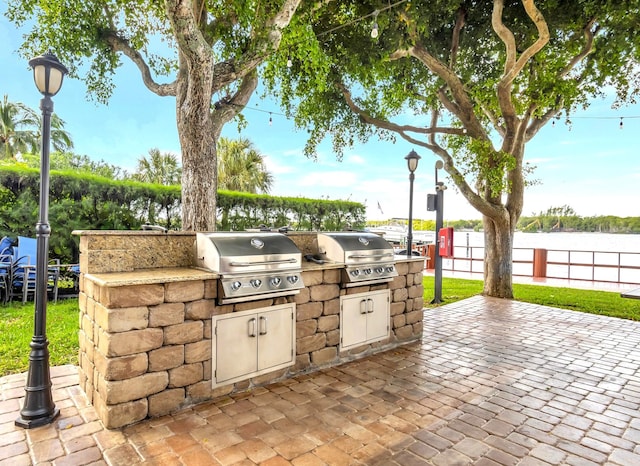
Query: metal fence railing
x: 601, y: 266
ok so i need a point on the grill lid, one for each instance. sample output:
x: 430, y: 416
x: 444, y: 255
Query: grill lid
x: 355, y: 247
x: 368, y: 257
x: 252, y: 265
x: 244, y: 252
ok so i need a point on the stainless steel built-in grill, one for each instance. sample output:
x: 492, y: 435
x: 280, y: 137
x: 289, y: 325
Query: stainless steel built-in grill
x: 251, y: 265
x: 368, y: 257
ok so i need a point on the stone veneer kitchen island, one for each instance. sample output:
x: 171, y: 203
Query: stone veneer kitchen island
x: 146, y: 321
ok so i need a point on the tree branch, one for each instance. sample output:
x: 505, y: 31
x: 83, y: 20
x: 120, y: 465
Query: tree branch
x: 455, y: 40
x: 227, y: 109
x: 461, y: 106
x: 366, y: 117
x: 119, y: 44
x: 587, y: 48
x: 514, y: 65
x: 474, y: 199
x: 191, y: 42
x: 229, y: 71
x: 541, y: 41
x: 505, y: 35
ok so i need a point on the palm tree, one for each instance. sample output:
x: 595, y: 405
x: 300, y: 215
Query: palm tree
x: 241, y: 167
x: 20, y: 130
x: 60, y: 139
x: 158, y: 168
x: 16, y: 129
x: 162, y: 169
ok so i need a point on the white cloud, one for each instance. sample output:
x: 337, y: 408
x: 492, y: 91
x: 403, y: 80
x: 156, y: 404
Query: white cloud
x: 328, y: 179
x: 356, y: 159
x: 276, y: 167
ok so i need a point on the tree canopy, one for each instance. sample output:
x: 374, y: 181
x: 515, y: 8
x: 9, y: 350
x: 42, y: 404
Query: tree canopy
x: 205, y: 54
x: 470, y: 81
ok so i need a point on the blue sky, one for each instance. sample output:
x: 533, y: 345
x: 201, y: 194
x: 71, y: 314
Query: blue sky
x: 594, y: 166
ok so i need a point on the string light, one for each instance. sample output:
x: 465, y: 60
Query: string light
x: 289, y: 62
x: 553, y: 122
x: 357, y: 20
x: 374, y: 31
x: 620, y: 124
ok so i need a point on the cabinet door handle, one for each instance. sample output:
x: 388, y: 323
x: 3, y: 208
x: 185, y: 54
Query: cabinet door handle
x: 252, y: 327
x: 263, y: 325
x: 363, y: 306
x: 370, y: 301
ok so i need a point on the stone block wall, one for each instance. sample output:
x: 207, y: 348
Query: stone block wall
x: 126, y: 251
x: 145, y: 344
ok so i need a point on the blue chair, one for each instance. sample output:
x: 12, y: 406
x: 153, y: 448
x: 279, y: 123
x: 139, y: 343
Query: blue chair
x: 6, y: 246
x: 23, y: 271
x: 5, y: 276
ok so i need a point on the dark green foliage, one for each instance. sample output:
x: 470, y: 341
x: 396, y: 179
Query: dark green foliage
x: 77, y: 201
x: 83, y: 201
x: 565, y: 219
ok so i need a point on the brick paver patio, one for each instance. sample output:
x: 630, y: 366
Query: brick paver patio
x: 493, y: 382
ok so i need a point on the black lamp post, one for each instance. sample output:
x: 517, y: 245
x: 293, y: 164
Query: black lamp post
x: 412, y: 162
x: 39, y: 409
x: 440, y: 187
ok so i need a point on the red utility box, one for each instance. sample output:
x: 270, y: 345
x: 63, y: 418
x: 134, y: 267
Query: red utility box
x: 445, y: 242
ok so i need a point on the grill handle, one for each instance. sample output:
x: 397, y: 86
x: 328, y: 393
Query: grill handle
x: 370, y: 256
x: 249, y: 264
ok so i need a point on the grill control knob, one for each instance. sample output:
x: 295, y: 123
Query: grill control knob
x: 367, y: 271
x: 256, y: 283
x: 275, y: 281
x: 235, y: 286
x: 390, y: 268
x: 355, y: 272
x: 293, y: 279
x: 379, y: 270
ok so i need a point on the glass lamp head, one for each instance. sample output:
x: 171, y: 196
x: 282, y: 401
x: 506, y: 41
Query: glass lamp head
x: 48, y: 73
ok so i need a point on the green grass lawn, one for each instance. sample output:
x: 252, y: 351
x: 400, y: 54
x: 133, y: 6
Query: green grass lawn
x: 16, y: 331
x: 16, y: 320
x: 595, y: 302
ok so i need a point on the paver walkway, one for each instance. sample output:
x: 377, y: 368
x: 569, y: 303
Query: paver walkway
x: 493, y: 382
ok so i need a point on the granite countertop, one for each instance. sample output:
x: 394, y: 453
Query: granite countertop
x: 309, y: 265
x: 180, y: 274
x: 150, y: 276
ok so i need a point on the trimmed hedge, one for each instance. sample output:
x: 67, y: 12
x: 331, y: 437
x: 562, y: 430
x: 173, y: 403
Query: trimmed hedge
x: 83, y: 201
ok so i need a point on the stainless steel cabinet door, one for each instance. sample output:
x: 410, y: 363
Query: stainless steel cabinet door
x: 275, y: 338
x: 236, y: 346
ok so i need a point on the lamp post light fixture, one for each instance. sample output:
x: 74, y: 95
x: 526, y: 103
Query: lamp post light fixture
x: 412, y: 163
x: 39, y: 409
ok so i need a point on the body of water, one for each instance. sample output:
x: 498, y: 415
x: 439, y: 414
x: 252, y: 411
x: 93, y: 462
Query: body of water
x: 564, y: 241
x: 581, y: 256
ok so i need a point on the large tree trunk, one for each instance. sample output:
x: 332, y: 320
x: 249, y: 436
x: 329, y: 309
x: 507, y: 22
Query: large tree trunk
x: 197, y: 140
x: 498, y: 251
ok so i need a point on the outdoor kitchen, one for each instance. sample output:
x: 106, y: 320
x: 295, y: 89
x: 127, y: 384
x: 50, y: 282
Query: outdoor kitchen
x: 168, y: 320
